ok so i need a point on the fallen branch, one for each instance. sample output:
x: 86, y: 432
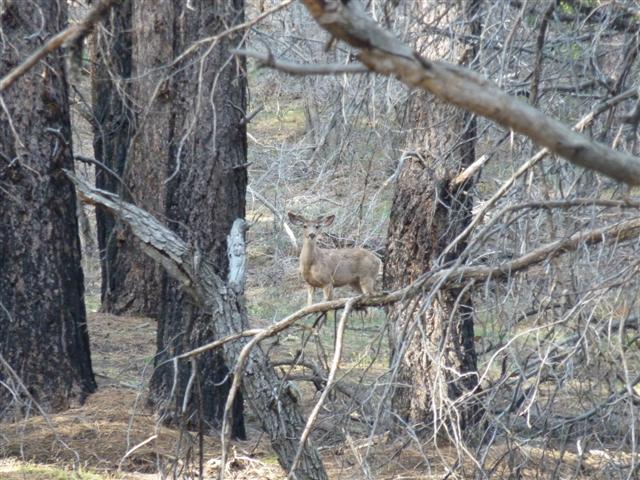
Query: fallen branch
x: 274, y: 405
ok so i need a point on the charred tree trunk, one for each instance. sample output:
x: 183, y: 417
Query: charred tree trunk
x: 113, y: 129
x: 132, y: 51
x: 205, y: 194
x: 432, y: 339
x: 43, y: 328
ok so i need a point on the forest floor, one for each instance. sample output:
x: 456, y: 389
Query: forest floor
x: 113, y: 435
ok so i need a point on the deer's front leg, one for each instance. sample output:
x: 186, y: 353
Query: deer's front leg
x: 310, y: 291
x: 328, y: 292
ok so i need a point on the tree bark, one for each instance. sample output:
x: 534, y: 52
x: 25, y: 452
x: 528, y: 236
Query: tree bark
x: 126, y: 284
x: 432, y: 338
x: 205, y: 193
x: 42, y: 314
x: 133, y: 138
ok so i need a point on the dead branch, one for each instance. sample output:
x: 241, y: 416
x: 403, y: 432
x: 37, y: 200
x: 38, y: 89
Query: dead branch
x: 337, y: 355
x: 577, y: 202
x: 539, y: 156
x: 385, y: 54
x: 281, y: 218
x: 268, y: 60
x: 197, y: 277
x: 71, y: 34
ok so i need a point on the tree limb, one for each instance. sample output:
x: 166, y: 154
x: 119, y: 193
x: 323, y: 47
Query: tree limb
x: 71, y: 34
x: 387, y: 55
x: 156, y: 240
x: 291, y: 68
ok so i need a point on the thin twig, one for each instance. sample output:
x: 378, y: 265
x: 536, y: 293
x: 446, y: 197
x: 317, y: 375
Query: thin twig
x: 337, y: 354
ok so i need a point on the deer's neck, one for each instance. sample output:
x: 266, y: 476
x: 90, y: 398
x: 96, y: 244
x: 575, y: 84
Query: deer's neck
x: 309, y: 255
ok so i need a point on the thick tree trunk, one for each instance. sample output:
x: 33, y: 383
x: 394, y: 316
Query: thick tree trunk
x: 43, y: 330
x: 133, y: 131
x: 433, y: 342
x: 437, y: 358
x: 205, y: 194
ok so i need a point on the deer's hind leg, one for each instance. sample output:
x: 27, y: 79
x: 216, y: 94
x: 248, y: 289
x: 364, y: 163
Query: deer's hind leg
x: 367, y: 286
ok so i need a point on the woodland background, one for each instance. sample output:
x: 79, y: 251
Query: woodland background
x: 504, y: 342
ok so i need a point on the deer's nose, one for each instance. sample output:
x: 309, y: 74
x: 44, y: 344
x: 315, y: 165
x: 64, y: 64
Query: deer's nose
x: 312, y: 236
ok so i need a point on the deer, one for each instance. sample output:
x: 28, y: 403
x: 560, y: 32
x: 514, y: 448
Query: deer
x: 328, y: 268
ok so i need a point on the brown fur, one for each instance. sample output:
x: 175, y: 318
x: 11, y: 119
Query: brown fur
x: 327, y: 268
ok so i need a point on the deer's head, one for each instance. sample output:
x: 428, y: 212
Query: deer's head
x: 311, y: 228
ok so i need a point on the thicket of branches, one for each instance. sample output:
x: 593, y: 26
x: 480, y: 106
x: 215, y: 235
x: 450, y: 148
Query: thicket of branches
x: 551, y: 256
x: 556, y: 320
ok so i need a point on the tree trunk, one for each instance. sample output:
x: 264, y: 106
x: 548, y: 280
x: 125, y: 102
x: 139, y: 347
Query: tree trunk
x: 132, y: 139
x: 113, y: 128
x: 205, y: 194
x: 432, y: 339
x: 43, y: 323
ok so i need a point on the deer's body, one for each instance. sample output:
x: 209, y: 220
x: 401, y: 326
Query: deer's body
x: 327, y: 268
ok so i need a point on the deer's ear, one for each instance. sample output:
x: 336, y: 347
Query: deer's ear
x: 328, y: 220
x: 295, y: 219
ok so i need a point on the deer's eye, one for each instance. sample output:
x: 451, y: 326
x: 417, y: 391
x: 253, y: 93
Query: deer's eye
x: 317, y: 226
x: 304, y: 226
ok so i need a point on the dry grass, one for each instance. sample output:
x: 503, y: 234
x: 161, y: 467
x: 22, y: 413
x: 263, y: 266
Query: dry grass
x: 93, y: 439
x: 91, y: 442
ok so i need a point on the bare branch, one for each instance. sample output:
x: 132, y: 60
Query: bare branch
x: 281, y: 218
x: 330, y: 380
x: 70, y: 34
x: 157, y: 241
x: 291, y: 68
x: 385, y: 54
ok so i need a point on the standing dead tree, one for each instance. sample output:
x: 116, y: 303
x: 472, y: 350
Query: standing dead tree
x: 275, y: 404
